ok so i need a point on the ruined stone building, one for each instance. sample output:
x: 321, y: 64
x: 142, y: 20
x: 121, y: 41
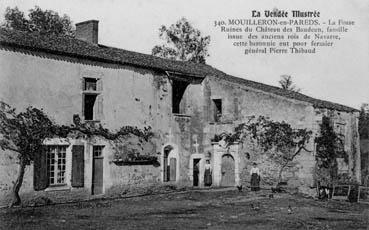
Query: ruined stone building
x: 186, y: 104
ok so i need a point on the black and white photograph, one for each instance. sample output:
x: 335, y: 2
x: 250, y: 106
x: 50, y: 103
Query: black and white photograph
x: 173, y: 114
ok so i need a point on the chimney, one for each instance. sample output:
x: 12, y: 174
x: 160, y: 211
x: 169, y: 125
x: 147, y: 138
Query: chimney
x: 88, y: 31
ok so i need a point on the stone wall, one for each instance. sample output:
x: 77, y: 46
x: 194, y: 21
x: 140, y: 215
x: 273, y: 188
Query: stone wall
x: 140, y: 97
x: 131, y: 96
x: 238, y: 104
x: 346, y: 126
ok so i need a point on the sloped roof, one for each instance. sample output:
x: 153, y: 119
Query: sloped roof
x: 66, y: 45
x: 317, y: 103
x: 69, y: 46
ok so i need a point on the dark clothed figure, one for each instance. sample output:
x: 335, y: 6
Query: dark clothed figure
x: 255, y: 178
x: 207, y: 175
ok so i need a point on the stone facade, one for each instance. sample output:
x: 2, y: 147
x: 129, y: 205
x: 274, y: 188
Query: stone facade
x: 141, y: 96
x: 239, y: 102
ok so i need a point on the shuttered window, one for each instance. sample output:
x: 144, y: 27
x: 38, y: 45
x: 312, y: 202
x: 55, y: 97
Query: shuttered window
x: 40, y: 178
x: 78, y: 165
x: 49, y: 167
x: 92, y: 99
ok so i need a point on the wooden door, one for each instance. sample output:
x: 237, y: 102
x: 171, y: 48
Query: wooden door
x: 173, y: 169
x: 228, y: 174
x: 97, y: 175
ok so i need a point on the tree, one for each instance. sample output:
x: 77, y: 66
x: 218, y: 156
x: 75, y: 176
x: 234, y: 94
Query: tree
x: 24, y: 133
x: 183, y: 42
x: 279, y: 140
x: 329, y: 147
x: 364, y: 122
x: 286, y: 83
x: 42, y: 21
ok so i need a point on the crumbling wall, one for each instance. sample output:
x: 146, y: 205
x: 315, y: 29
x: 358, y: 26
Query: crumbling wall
x: 345, y: 125
x: 239, y: 103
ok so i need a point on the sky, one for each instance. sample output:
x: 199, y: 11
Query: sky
x: 338, y: 74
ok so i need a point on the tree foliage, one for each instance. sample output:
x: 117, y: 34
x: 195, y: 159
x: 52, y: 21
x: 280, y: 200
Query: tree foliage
x: 286, y: 83
x: 42, y: 21
x: 279, y: 140
x: 24, y: 133
x: 182, y: 42
x: 329, y: 147
x: 364, y: 122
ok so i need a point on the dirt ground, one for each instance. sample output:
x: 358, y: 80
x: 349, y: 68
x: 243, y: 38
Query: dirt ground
x: 228, y: 209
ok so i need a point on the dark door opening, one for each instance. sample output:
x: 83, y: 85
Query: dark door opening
x: 196, y: 172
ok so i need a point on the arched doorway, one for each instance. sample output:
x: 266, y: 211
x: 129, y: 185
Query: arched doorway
x: 228, y: 171
x: 169, y: 164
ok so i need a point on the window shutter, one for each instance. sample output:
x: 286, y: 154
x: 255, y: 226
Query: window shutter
x: 99, y: 85
x: 40, y: 177
x: 100, y: 112
x: 82, y: 84
x: 173, y: 169
x: 78, y: 165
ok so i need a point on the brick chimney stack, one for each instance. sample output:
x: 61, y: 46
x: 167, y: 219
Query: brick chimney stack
x: 88, y: 31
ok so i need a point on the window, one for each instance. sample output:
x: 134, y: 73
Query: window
x: 92, y: 99
x: 90, y: 106
x: 90, y: 84
x: 178, y: 90
x: 97, y: 150
x: 56, y: 164
x: 217, y: 104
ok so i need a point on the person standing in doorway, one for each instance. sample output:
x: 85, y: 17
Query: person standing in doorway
x: 207, y: 174
x: 255, y: 177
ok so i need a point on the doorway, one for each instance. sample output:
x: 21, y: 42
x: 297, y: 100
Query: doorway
x: 228, y: 171
x: 97, y: 170
x: 196, y: 172
x: 169, y: 165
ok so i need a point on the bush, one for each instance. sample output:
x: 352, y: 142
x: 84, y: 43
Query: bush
x: 353, y: 195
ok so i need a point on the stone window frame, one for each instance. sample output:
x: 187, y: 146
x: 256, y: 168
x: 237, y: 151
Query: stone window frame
x: 96, y: 91
x: 214, y: 116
